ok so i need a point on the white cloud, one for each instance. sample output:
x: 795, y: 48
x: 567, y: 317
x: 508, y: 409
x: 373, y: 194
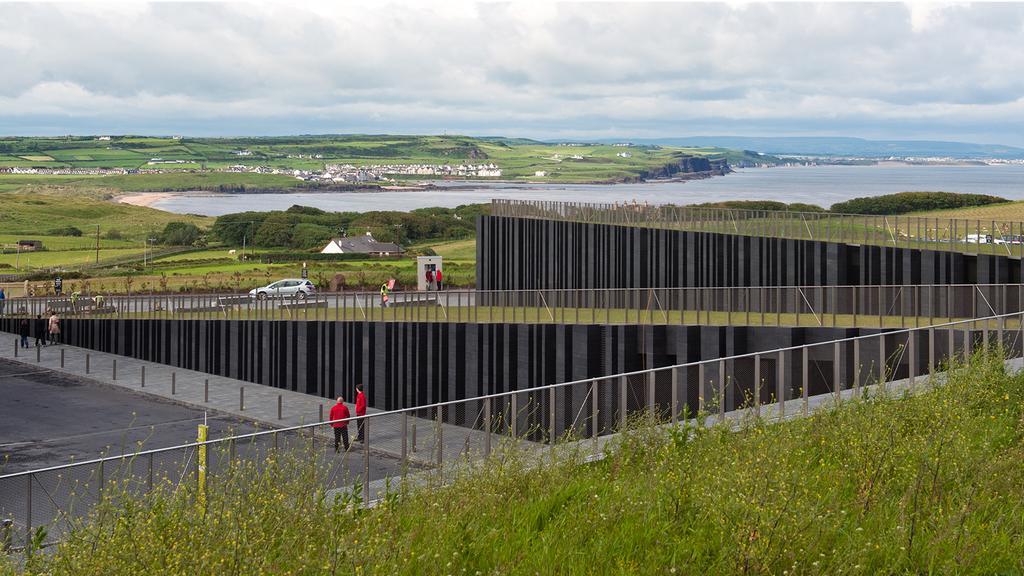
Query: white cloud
x: 520, y: 68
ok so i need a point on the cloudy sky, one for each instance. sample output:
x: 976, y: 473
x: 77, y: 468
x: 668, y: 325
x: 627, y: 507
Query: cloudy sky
x: 544, y: 70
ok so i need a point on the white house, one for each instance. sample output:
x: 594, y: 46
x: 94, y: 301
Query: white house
x: 361, y: 245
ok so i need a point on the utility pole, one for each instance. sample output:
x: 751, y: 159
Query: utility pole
x: 97, y: 243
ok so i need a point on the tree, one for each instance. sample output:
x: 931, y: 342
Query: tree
x: 276, y: 230
x: 180, y: 234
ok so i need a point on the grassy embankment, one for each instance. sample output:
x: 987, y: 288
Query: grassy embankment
x: 930, y: 483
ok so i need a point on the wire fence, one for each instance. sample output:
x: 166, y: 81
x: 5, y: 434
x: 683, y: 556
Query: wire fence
x: 971, y: 236
x: 42, y: 505
x: 839, y: 306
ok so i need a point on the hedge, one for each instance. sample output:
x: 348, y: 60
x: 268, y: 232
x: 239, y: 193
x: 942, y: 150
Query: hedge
x: 904, y: 202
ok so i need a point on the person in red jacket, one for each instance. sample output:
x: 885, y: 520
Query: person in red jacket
x: 340, y: 412
x: 438, y: 277
x: 360, y: 411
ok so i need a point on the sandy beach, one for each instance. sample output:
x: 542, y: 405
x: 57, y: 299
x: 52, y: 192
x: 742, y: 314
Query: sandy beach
x: 145, y: 198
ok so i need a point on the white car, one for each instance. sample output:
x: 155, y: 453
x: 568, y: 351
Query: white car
x: 287, y: 288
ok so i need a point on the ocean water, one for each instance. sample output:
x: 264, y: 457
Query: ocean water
x: 821, y: 185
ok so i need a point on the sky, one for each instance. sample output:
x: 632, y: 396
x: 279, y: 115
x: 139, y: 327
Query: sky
x: 545, y: 70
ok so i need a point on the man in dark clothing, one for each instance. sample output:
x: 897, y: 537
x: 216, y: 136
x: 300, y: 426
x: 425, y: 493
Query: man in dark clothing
x: 39, y: 330
x: 23, y: 327
x: 340, y: 412
x: 360, y: 411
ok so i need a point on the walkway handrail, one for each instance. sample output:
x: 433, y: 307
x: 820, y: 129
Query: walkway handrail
x: 532, y: 390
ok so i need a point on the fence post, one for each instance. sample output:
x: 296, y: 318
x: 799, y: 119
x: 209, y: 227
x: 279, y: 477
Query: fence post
x: 142, y: 376
x: 241, y: 398
x: 87, y: 357
x: 438, y: 436
x: 17, y: 343
x: 856, y: 366
x: 61, y: 357
x: 174, y: 383
x: 405, y: 439
x: 594, y: 413
x: 780, y: 386
x: 513, y: 419
x: 836, y: 375
x: 201, y: 467
x: 28, y: 509
x: 113, y: 370
x: 912, y: 350
x: 366, y: 460
x: 931, y: 351
x: 675, y: 396
x: 206, y: 393
x: 280, y: 401
x: 757, y: 385
x: 551, y: 416
x: 805, y: 360
x: 651, y: 376
x: 623, y: 400
x: 721, y: 388
x: 487, y: 427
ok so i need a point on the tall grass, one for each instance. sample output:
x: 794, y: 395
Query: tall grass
x: 931, y: 483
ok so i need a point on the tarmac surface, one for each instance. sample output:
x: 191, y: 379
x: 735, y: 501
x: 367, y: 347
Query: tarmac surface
x: 48, y: 418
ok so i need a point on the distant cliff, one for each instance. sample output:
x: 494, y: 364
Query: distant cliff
x: 689, y: 168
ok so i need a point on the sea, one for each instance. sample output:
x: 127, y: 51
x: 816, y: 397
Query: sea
x: 821, y: 185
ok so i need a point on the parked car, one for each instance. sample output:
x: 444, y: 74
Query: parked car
x: 287, y: 288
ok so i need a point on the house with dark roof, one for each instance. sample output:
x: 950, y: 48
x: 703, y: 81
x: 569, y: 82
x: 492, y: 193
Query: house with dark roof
x: 362, y: 245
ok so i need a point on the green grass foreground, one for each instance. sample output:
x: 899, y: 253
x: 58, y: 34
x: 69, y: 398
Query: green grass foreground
x: 931, y: 483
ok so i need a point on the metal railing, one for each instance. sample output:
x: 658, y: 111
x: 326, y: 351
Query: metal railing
x: 839, y: 306
x: 777, y: 383
x: 971, y: 236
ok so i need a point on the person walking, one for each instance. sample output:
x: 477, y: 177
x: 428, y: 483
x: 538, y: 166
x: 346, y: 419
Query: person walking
x: 39, y: 330
x: 384, y: 295
x: 3, y: 300
x: 438, y: 278
x: 23, y: 328
x: 340, y: 412
x: 360, y: 411
x: 53, y: 328
x: 430, y: 279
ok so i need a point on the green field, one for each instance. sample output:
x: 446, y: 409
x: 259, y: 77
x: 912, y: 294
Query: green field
x: 32, y: 215
x: 64, y: 258
x: 518, y: 159
x: 912, y: 484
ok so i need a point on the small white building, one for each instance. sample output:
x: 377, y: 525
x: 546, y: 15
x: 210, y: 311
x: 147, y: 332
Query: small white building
x: 540, y: 173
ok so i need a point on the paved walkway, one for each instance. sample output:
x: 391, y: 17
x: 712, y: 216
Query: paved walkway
x: 265, y: 405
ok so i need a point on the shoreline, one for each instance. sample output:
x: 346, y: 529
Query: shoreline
x: 145, y: 199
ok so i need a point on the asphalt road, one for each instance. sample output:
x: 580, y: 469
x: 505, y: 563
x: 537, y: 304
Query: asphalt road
x: 48, y: 418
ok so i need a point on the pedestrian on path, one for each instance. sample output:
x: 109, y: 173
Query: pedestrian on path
x: 39, y: 330
x: 339, y: 421
x: 360, y: 411
x: 430, y: 279
x: 439, y: 277
x: 384, y: 295
x: 23, y: 328
x: 3, y: 300
x: 53, y: 328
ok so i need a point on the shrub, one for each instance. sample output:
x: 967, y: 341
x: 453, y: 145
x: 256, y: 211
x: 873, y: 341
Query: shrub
x: 904, y: 202
x: 66, y: 231
x: 113, y: 234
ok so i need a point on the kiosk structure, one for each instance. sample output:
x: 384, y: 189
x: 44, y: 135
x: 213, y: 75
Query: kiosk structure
x: 426, y: 264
